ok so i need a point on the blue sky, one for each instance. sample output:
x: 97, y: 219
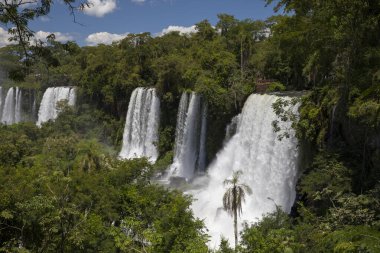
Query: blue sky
x: 109, y: 20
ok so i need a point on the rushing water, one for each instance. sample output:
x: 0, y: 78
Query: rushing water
x: 8, y: 108
x: 231, y: 128
x: 48, y: 108
x: 190, y: 143
x: 18, y: 102
x: 269, y: 167
x: 11, y: 108
x: 141, y: 126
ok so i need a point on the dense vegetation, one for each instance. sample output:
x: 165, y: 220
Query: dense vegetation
x: 62, y: 190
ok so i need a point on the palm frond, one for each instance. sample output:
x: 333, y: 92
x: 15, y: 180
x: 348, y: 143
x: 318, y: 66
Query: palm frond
x: 234, y: 197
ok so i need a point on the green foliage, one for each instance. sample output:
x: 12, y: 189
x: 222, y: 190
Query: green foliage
x: 276, y: 86
x: 272, y: 234
x: 62, y: 191
x: 17, y: 142
x: 352, y: 239
x: 367, y: 112
x: 326, y: 179
x: 224, y: 247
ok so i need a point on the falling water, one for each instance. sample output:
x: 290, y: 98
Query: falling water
x: 8, y: 116
x: 190, y: 148
x: 201, y: 162
x: 269, y: 167
x: 231, y: 128
x: 141, y: 127
x: 11, y: 107
x: 18, y: 105
x: 48, y: 108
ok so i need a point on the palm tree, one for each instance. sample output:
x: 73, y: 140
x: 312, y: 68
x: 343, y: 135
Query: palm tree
x: 234, y: 197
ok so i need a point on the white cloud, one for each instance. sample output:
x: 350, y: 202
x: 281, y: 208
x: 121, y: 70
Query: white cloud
x: 138, y: 1
x: 104, y: 38
x: 40, y: 35
x: 4, y: 36
x: 61, y: 37
x: 99, y: 8
x: 44, y: 19
x: 183, y: 30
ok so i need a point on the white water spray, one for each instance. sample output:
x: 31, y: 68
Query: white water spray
x: 269, y: 167
x: 48, y: 108
x: 141, y: 127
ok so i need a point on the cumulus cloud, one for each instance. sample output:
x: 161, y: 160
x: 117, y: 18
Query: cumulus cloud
x: 181, y: 29
x: 61, y: 37
x: 4, y: 36
x: 99, y: 8
x: 104, y: 38
x: 40, y: 35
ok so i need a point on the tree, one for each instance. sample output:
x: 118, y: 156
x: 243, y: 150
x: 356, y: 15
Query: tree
x: 17, y: 14
x: 234, y: 197
x: 205, y: 31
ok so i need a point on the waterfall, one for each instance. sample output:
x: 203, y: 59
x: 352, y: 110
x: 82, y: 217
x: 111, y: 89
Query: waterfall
x: 34, y: 105
x: 201, y: 162
x: 141, y: 126
x: 269, y: 167
x: 231, y: 128
x: 8, y: 116
x: 190, y: 148
x: 18, y: 105
x: 48, y: 108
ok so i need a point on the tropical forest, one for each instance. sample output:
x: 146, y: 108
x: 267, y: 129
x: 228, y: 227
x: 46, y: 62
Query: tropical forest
x: 238, y: 135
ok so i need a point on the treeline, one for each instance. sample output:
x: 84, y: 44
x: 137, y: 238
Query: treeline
x: 219, y: 62
x: 331, y: 49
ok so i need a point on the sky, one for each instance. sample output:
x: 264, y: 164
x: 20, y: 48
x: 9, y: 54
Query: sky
x: 109, y: 20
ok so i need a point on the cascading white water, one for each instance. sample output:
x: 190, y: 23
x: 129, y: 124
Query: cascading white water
x: 11, y: 108
x: 190, y: 148
x: 269, y: 167
x: 8, y: 116
x: 201, y: 163
x: 141, y: 126
x: 18, y: 105
x: 48, y: 108
x: 231, y: 128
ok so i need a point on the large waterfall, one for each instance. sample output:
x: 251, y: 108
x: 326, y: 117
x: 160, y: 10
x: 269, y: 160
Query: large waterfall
x: 141, y: 126
x: 11, y: 107
x: 48, y: 108
x: 269, y: 167
x: 190, y: 143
